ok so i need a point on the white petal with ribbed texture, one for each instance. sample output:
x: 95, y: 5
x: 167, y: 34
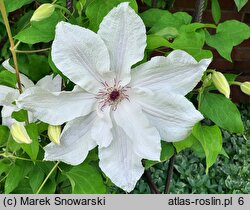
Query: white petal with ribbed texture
x: 58, y: 107
x: 50, y: 83
x: 6, y: 115
x: 7, y: 95
x: 125, y: 37
x: 75, y: 142
x: 173, y: 115
x: 145, y: 138
x: 119, y: 162
x: 101, y: 131
x: 81, y: 55
x: 177, y: 73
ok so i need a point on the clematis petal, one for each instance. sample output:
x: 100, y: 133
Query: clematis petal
x: 7, y: 95
x: 6, y: 115
x: 81, y: 55
x: 119, y: 162
x: 75, y: 142
x: 173, y: 115
x: 125, y: 36
x: 50, y: 83
x: 177, y: 73
x: 146, y: 140
x: 101, y: 131
x: 57, y: 107
x: 26, y: 82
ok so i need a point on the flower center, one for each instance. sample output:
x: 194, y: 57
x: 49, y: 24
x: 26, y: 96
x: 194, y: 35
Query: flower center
x: 112, y: 95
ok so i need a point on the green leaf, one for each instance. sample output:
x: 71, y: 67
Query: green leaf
x: 223, y: 152
x: 16, y: 174
x: 240, y: 4
x: 85, y: 179
x: 20, y: 115
x: 222, y: 112
x: 23, y: 187
x: 8, y: 79
x: 154, y: 41
x: 34, y: 66
x: 42, y: 31
x: 216, y: 11
x: 192, y: 42
x: 167, y: 151
x: 98, y: 9
x: 186, y: 143
x: 12, y: 5
x: 36, y: 177
x: 195, y: 26
x: 161, y: 19
x: 4, y: 167
x: 33, y: 148
x: 211, y: 140
x: 228, y: 34
x: 4, y: 134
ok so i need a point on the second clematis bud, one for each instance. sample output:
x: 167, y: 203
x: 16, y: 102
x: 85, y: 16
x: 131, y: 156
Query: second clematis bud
x: 20, y: 134
x: 221, y: 83
x: 245, y: 87
x: 54, y: 132
x: 42, y: 12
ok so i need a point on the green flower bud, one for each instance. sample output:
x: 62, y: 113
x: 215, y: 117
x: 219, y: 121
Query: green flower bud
x: 20, y: 134
x: 221, y: 83
x: 245, y: 87
x: 54, y: 133
x: 43, y: 12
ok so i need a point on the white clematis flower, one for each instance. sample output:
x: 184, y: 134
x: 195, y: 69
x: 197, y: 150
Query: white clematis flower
x: 125, y: 112
x: 8, y: 95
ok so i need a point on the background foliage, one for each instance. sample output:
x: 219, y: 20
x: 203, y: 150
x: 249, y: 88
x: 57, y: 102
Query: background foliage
x: 216, y: 153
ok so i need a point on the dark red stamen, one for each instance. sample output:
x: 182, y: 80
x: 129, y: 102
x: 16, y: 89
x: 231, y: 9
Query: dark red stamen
x: 114, y: 95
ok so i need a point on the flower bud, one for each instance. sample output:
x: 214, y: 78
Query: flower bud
x: 245, y: 87
x: 43, y: 12
x: 221, y: 83
x: 19, y: 133
x: 54, y: 132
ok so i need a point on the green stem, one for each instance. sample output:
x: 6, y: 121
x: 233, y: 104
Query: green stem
x: 235, y: 83
x: 63, y: 8
x: 7, y: 155
x: 47, y: 177
x: 12, y: 44
x: 32, y: 51
x: 199, y: 98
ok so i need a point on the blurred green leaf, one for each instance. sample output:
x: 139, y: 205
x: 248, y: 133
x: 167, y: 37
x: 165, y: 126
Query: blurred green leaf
x: 186, y: 143
x: 36, y: 176
x: 4, y: 134
x: 8, y: 79
x: 12, y: 5
x: 99, y: 8
x: 16, y: 174
x: 85, y: 179
x: 159, y: 19
x: 20, y: 116
x: 167, y: 151
x: 192, y: 42
x: 211, y: 140
x: 40, y: 31
x: 240, y: 4
x: 154, y: 41
x: 228, y: 34
x: 216, y: 13
x: 33, y: 148
x: 222, y: 112
x: 34, y: 66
